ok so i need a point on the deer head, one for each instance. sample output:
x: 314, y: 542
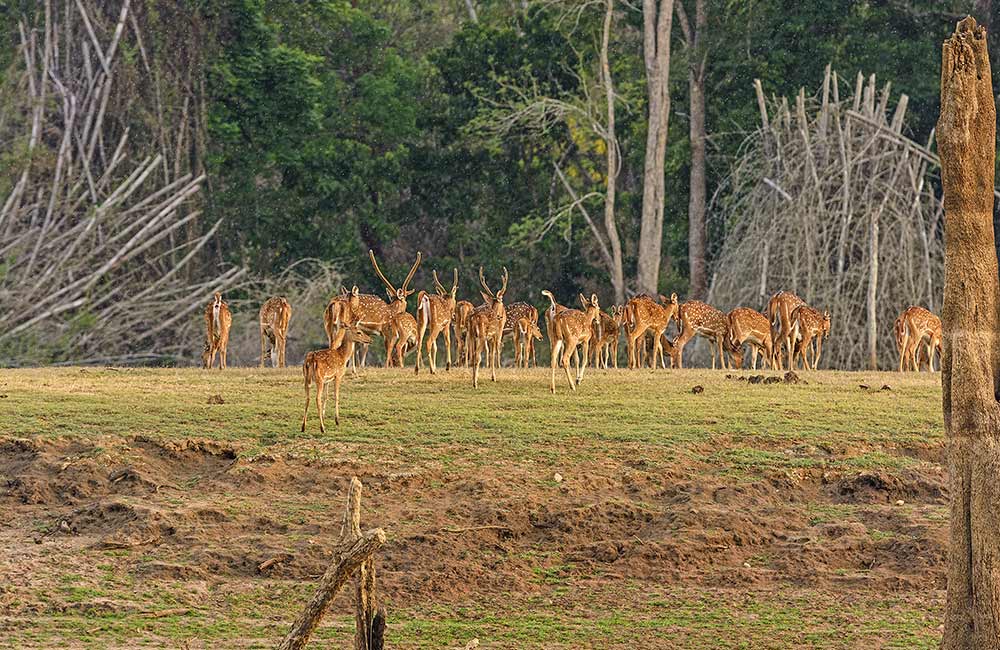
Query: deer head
x: 487, y: 293
x: 396, y: 293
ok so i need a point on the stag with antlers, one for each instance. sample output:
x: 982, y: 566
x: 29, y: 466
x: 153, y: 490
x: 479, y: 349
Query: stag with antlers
x: 571, y: 328
x: 218, y: 320
x: 434, y: 314
x: 273, y: 318
x: 644, y: 315
x: 485, y: 333
x: 375, y: 316
x: 322, y: 366
x: 697, y: 318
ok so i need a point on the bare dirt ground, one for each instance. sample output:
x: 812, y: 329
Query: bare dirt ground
x: 136, y: 514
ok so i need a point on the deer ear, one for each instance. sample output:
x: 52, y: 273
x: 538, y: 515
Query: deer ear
x: 487, y: 298
x: 391, y: 294
x: 673, y: 298
x: 593, y: 299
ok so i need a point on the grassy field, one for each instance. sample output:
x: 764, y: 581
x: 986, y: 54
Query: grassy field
x: 744, y: 516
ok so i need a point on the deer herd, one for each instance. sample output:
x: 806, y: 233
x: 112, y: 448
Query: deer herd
x: 787, y: 334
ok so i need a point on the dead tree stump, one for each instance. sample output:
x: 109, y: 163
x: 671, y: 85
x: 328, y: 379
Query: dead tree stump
x: 355, y: 550
x: 971, y: 362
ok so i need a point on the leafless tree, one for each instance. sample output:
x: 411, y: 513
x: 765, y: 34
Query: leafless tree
x: 96, y: 228
x: 830, y: 199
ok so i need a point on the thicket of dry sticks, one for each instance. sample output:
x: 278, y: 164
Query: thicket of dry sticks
x: 99, y: 222
x: 831, y: 200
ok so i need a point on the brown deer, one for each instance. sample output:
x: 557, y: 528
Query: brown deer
x: 570, y: 329
x: 434, y: 314
x: 750, y: 326
x: 918, y: 337
x: 779, y: 312
x: 460, y: 321
x: 605, y: 348
x: 322, y: 366
x: 644, y: 315
x: 522, y: 323
x: 485, y: 333
x: 374, y: 314
x: 401, y: 334
x: 274, y: 316
x: 218, y: 320
x: 700, y: 319
x: 809, y: 326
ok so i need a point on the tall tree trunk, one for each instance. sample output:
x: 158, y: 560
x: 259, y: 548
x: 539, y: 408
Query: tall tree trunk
x: 873, y: 291
x: 471, y: 8
x: 656, y: 50
x: 697, y: 235
x: 966, y: 141
x: 610, y: 225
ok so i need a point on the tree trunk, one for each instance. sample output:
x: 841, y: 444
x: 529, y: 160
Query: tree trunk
x: 610, y: 225
x: 471, y: 8
x: 966, y: 141
x: 656, y: 51
x: 697, y: 236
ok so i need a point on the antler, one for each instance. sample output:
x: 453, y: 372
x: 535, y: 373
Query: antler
x: 482, y: 281
x: 413, y: 270
x: 454, y: 285
x: 503, y: 289
x: 437, y: 283
x: 388, y: 284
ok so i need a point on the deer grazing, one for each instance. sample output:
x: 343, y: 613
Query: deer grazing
x: 322, y: 366
x: 700, y: 319
x: 779, y: 311
x: 918, y: 337
x: 750, y: 326
x: 605, y: 337
x: 809, y: 326
x: 570, y: 329
x: 218, y: 320
x: 522, y: 324
x: 274, y: 316
x: 460, y: 321
x: 434, y: 314
x: 644, y: 315
x: 485, y: 332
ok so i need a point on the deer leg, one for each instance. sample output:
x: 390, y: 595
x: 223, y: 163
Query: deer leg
x: 818, y: 352
x: 262, y: 347
x: 320, y: 402
x: 305, y: 413
x: 579, y: 370
x: 495, y: 361
x: 554, y: 359
x: 679, y: 343
x: 566, y: 360
x: 447, y: 347
x: 336, y: 399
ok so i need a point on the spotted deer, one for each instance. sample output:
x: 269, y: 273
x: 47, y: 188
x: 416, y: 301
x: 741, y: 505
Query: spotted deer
x: 401, y: 337
x: 375, y: 314
x: 460, y: 321
x: 700, y: 319
x: 522, y: 323
x: 809, y: 327
x: 323, y: 366
x: 274, y: 316
x: 434, y: 314
x: 749, y: 326
x: 644, y: 315
x: 779, y: 312
x: 218, y: 320
x: 605, y: 348
x: 572, y: 328
x: 918, y: 337
x: 485, y: 333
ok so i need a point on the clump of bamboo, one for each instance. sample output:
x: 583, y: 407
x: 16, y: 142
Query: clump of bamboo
x: 830, y: 199
x: 98, y: 214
